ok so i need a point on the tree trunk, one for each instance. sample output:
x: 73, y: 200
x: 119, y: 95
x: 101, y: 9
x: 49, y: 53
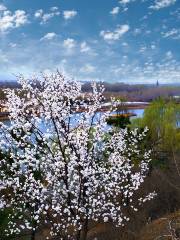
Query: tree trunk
x: 33, y: 235
x: 84, y: 231
x: 78, y: 235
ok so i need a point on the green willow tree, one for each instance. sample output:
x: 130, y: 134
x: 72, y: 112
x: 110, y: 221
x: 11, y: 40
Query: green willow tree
x: 163, y: 121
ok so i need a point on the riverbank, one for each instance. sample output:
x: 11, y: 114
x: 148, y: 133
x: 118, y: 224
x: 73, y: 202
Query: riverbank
x: 105, y: 107
x: 4, y: 116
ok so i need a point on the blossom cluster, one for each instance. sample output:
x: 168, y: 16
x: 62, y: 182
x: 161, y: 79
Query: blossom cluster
x: 61, y: 166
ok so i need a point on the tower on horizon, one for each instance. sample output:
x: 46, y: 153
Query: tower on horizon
x: 157, y: 83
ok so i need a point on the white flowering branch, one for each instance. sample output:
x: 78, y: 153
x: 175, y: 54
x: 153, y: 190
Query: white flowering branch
x: 61, y: 166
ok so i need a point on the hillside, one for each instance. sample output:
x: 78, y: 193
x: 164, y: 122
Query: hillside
x: 167, y: 227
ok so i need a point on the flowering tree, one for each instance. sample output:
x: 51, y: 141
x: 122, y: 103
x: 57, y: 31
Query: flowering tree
x: 61, y: 166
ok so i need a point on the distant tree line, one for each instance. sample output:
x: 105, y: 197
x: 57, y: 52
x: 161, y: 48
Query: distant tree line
x: 130, y: 92
x: 137, y: 92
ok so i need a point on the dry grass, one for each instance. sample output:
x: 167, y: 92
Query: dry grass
x: 162, y: 228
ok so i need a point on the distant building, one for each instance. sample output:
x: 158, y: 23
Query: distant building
x: 157, y: 83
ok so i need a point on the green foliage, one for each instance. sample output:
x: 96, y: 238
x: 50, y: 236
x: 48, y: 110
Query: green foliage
x: 4, y: 223
x: 163, y: 137
x: 119, y: 121
x: 161, y: 118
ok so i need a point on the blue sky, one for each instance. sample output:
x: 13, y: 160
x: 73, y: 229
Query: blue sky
x: 134, y: 41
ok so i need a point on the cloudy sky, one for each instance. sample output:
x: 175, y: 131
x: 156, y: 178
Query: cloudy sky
x: 110, y: 40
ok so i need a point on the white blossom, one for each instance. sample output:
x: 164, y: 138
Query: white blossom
x: 77, y: 171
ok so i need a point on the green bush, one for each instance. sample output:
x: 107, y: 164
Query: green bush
x: 118, y: 121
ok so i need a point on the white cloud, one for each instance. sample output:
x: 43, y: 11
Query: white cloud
x: 9, y: 20
x: 170, y: 33
x: 125, y: 2
x: 13, y: 45
x: 158, y: 4
x: 125, y: 44
x: 142, y: 49
x: 116, y: 34
x: 115, y: 11
x: 20, y: 18
x: 54, y: 9
x: 2, y: 7
x: 38, y: 13
x: 69, y: 43
x: 49, y: 36
x: 173, y: 34
x: 44, y: 17
x: 153, y: 46
x: 129, y: 69
x: 47, y: 16
x: 137, y: 31
x: 84, y: 48
x: 3, y: 58
x: 88, y: 68
x: 169, y: 54
x: 69, y: 14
